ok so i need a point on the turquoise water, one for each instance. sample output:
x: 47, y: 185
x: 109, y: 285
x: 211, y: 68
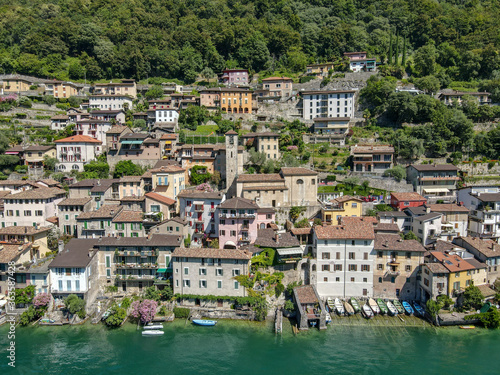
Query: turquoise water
x: 252, y: 348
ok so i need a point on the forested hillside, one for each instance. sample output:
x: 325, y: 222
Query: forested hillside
x: 456, y: 40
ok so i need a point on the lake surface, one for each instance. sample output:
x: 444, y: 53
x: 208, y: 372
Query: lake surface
x: 251, y: 348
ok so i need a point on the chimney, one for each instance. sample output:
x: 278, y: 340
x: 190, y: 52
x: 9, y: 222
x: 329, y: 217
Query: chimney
x: 60, y: 246
x: 277, y: 237
x: 427, y: 209
x: 25, y: 230
x: 98, y: 182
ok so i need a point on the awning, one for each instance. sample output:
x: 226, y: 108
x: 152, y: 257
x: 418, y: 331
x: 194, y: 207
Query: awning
x: 436, y: 190
x: 11, y: 153
x: 291, y: 251
x: 199, y: 202
x: 161, y: 270
x: 168, y: 142
x: 132, y: 142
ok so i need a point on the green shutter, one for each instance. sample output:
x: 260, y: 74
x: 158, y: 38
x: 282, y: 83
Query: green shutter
x: 140, y: 226
x: 109, y: 223
x: 85, y: 225
x: 131, y: 226
x: 116, y: 226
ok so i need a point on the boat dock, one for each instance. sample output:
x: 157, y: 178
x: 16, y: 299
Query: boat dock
x: 278, y: 321
x: 378, y: 320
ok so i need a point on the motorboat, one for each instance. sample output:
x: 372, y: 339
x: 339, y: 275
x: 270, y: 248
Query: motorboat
x: 153, y: 327
x: 355, y: 304
x: 408, y: 308
x: 203, y: 322
x: 348, y: 308
x: 398, y: 306
x: 152, y: 333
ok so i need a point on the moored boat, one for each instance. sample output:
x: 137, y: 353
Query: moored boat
x: 355, y: 305
x: 153, y: 327
x: 328, y: 318
x: 367, y: 312
x: 467, y: 327
x: 418, y: 309
x: 330, y: 304
x: 485, y: 307
x: 383, y: 307
x: 339, y: 307
x: 152, y: 333
x: 373, y: 305
x: 408, y: 308
x: 398, y: 306
x: 348, y: 308
x: 203, y: 322
x: 392, y: 309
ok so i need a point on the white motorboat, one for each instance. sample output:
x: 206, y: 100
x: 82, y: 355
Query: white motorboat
x: 153, y: 327
x: 392, y: 309
x: 367, y: 312
x: 339, y: 307
x: 152, y: 333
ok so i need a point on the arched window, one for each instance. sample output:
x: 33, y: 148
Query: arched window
x: 379, y: 279
x: 314, y: 267
x: 62, y: 167
x: 75, y: 167
x: 262, y: 226
x: 300, y: 182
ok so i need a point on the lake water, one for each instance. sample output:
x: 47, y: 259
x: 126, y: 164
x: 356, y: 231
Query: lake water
x: 251, y: 348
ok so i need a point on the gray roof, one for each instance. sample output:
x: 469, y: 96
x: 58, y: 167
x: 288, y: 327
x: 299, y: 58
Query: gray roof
x: 430, y: 216
x: 75, y: 254
x: 238, y: 203
x: 267, y: 238
x: 434, y: 167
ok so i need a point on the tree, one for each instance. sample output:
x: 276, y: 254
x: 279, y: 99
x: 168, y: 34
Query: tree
x: 398, y: 172
x: 428, y: 84
x: 74, y: 304
x: 295, y: 212
x: 49, y: 163
x: 377, y: 92
x: 410, y: 236
x: 152, y: 293
x: 199, y: 175
x: 116, y: 316
x: 24, y: 296
x: 96, y: 169
x: 433, y: 308
x: 126, y: 168
x: 473, y: 299
x: 193, y: 116
x: 304, y: 223
x: 253, y: 53
x: 351, y: 182
x: 257, y: 158
x: 140, y: 123
x: 425, y: 60
x: 401, y: 107
x: 7, y: 162
x: 155, y: 92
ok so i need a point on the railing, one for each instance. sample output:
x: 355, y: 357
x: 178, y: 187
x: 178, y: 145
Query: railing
x: 236, y: 216
x: 245, y: 226
x: 135, y: 277
x: 136, y: 266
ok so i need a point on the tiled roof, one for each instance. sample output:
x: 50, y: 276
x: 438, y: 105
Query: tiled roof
x: 488, y: 248
x: 391, y: 214
x: 27, y: 230
x: 211, y: 253
x: 394, y: 242
x: 75, y: 254
x: 486, y: 291
x: 447, y: 207
x: 238, y: 203
x: 197, y: 194
x: 117, y: 129
x: 53, y: 220
x: 408, y: 197
x: 78, y: 139
x: 13, y: 182
x: 300, y: 231
x: 264, y: 188
x: 434, y: 167
x: 59, y: 117
x: 49, y: 182
x: 128, y: 217
x: 272, y: 177
x: 452, y: 262
x: 267, y: 238
x: 443, y: 246
x: 160, y: 198
x: 105, y: 212
x: 386, y: 227
x: 277, y: 79
x: 134, y: 135
x: 176, y: 219
x: 75, y: 201
x: 133, y: 199
x: 40, y: 193
x: 430, y: 216
x: 169, y: 136
x: 130, y: 179
x: 345, y: 198
x: 292, y: 171
x: 16, y: 148
x: 353, y: 220
x: 371, y: 149
x: 158, y: 240
x: 489, y: 197
x: 324, y: 92
x: 305, y: 294
x: 168, y: 168
x: 437, y: 268
x: 345, y: 232
x: 9, y: 252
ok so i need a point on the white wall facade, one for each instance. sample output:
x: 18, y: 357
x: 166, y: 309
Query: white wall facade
x: 328, y: 104
x: 73, y: 156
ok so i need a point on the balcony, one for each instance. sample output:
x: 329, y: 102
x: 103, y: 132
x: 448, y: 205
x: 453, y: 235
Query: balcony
x: 134, y: 277
x: 245, y: 226
x: 199, y: 208
x: 137, y: 253
x: 237, y: 216
x: 137, y: 266
x: 392, y: 273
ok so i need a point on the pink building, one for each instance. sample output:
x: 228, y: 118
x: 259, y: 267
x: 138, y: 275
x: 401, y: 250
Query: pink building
x: 239, y: 220
x: 353, y: 56
x: 234, y: 77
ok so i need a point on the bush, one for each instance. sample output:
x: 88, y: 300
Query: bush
x: 116, y: 316
x: 289, y: 306
x: 163, y: 311
x: 25, y: 102
x: 49, y: 100
x: 126, y: 303
x: 181, y: 312
x: 279, y: 289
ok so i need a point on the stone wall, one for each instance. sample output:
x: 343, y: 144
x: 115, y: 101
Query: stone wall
x: 380, y: 182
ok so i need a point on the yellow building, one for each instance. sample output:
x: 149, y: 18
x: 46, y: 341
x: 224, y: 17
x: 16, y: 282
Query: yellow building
x: 17, y: 84
x: 60, y: 89
x: 340, y: 207
x: 34, y: 155
x: 168, y: 180
x: 235, y: 100
x: 319, y: 70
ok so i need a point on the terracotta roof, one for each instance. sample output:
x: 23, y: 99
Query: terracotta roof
x: 272, y: 177
x: 489, y: 197
x: 434, y: 167
x: 292, y: 171
x: 394, y: 242
x: 157, y: 240
x: 267, y: 238
x: 452, y: 262
x: 443, y: 246
x: 238, y: 203
x: 300, y: 231
x: 53, y: 220
x: 75, y: 254
x: 128, y: 217
x: 105, y: 212
x: 211, y: 253
x: 169, y: 136
x: 9, y: 252
x: 78, y: 139
x: 346, y: 232
x: 27, y: 230
x: 368, y: 149
x: 411, y: 196
x: 75, y: 201
x: 117, y: 129
x: 133, y: 199
x: 277, y: 78
x: 39, y: 193
x: 488, y: 248
x: 437, y: 268
x: 39, y: 148
x: 130, y: 179
x: 391, y: 214
x: 13, y: 182
x: 197, y: 194
x: 386, y: 227
x: 168, y: 168
x: 231, y: 132
x: 447, y: 207
x: 353, y: 220
x: 160, y: 198
x: 306, y: 294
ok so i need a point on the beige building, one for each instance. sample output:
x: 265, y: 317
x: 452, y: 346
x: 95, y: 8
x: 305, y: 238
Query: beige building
x: 131, y: 186
x: 372, y: 158
x: 60, y: 89
x: 125, y: 87
x: 128, y: 224
x: 34, y: 155
x: 17, y: 83
x: 204, y: 271
x: 169, y: 180
x: 265, y: 142
x: 175, y: 225
x: 113, y: 136
x: 396, y: 266
x: 95, y: 224
x: 158, y: 207
x: 69, y: 209
x: 37, y: 236
x: 16, y: 253
x: 278, y: 86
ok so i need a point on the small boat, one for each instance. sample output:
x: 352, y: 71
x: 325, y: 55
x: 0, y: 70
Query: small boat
x: 398, y: 306
x: 373, y: 305
x: 152, y: 333
x: 383, y: 307
x: 339, y: 307
x: 348, y: 308
x: 467, y: 327
x: 367, y: 312
x: 485, y: 308
x: 328, y: 318
x: 153, y: 327
x: 355, y: 305
x: 313, y: 323
x: 418, y: 309
x: 203, y: 322
x: 330, y: 304
x: 408, y: 308
x: 327, y: 308
x: 392, y: 309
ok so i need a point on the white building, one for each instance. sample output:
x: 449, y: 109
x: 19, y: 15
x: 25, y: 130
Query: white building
x: 336, y: 103
x: 429, y: 228
x: 93, y: 128
x: 75, y: 151
x: 166, y: 115
x: 110, y: 102
x: 344, y: 259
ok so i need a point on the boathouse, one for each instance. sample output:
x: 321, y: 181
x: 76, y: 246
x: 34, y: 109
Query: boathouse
x: 310, y: 309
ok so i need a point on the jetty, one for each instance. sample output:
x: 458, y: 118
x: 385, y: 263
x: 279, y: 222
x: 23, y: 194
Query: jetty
x: 278, y: 321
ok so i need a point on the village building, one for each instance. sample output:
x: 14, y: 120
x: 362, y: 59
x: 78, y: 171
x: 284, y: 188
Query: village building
x: 332, y: 211
x: 69, y: 209
x: 401, y: 201
x: 16, y: 253
x: 174, y: 225
x: 310, y: 307
x: 397, y: 265
x: 34, y: 157
x: 37, y: 236
x: 449, y: 97
x: 100, y: 190
x: 59, y: 122
x: 125, y: 87
x: 486, y: 251
x: 265, y: 142
x: 455, y: 217
x: 95, y: 224
x: 140, y: 148
x: 205, y: 271
x: 76, y: 151
x: 359, y: 62
x: 331, y: 129
x: 332, y: 103
x: 278, y: 86
x: 434, y: 181
x: 373, y: 158
x: 110, y: 102
x: 60, y: 89
x: 128, y: 224
x: 234, y: 77
x: 113, y: 136
x: 168, y: 180
x: 319, y: 70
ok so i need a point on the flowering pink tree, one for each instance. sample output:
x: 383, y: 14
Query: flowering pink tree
x: 145, y: 310
x: 9, y: 98
x: 204, y: 187
x: 292, y: 148
x: 41, y: 301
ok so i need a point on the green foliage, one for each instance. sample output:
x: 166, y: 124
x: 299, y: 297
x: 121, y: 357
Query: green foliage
x: 96, y: 169
x: 304, y: 223
x: 9, y: 161
x: 291, y: 286
x: 29, y: 316
x: 279, y: 289
x: 127, y: 168
x: 74, y: 304
x: 473, y: 299
x: 295, y: 212
x: 24, y: 296
x: 25, y: 102
x: 289, y: 306
x: 126, y: 303
x: 433, y: 307
x: 317, y: 222
x: 111, y: 289
x: 116, y: 317
x: 155, y: 92
x: 197, y: 177
x: 49, y: 100
x: 410, y: 236
x: 398, y: 172
x: 163, y: 311
x: 152, y: 293
x: 187, y: 240
x: 444, y: 300
x: 193, y: 116
x: 264, y: 259
x: 245, y: 280
x: 181, y: 312
x: 489, y: 319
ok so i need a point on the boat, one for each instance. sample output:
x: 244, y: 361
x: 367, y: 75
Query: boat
x: 330, y: 304
x: 367, y: 312
x: 467, y: 327
x: 327, y: 308
x: 355, y: 305
x: 203, y: 322
x: 339, y: 307
x: 383, y: 307
x: 408, y: 308
x: 313, y: 323
x: 373, y: 305
x: 348, y: 308
x: 392, y: 309
x: 419, y: 309
x: 485, y: 307
x: 398, y: 306
x: 328, y: 318
x: 152, y: 333
x: 153, y: 327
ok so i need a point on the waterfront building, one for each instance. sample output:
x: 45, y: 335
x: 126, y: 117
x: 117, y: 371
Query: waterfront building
x: 310, y: 307
x: 204, y: 271
x: 35, y: 235
x: 484, y: 218
x: 288, y: 248
x: 18, y: 253
x: 486, y: 251
x: 455, y: 218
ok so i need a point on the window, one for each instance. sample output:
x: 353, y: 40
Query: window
x: 457, y: 274
x: 326, y: 256
x: 187, y: 283
x: 426, y: 282
x: 325, y: 267
x: 338, y: 255
x: 219, y: 272
x: 203, y: 271
x: 365, y: 268
x: 408, y: 255
x: 219, y: 284
x: 108, y: 260
x: 203, y: 284
x: 353, y: 280
x: 27, y: 213
x: 365, y: 256
x: 236, y: 285
x: 236, y: 272
x: 408, y: 268
x: 186, y: 270
x: 68, y: 285
x: 60, y: 285
x: 338, y: 267
x: 353, y: 267
x: 365, y: 280
x: 352, y: 256
x: 354, y: 205
x: 380, y: 267
x: 379, y: 254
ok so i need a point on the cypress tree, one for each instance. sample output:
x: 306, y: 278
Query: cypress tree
x: 403, y: 62
x: 389, y: 60
x: 396, y: 54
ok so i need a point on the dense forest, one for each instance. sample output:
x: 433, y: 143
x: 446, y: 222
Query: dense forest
x: 453, y: 40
